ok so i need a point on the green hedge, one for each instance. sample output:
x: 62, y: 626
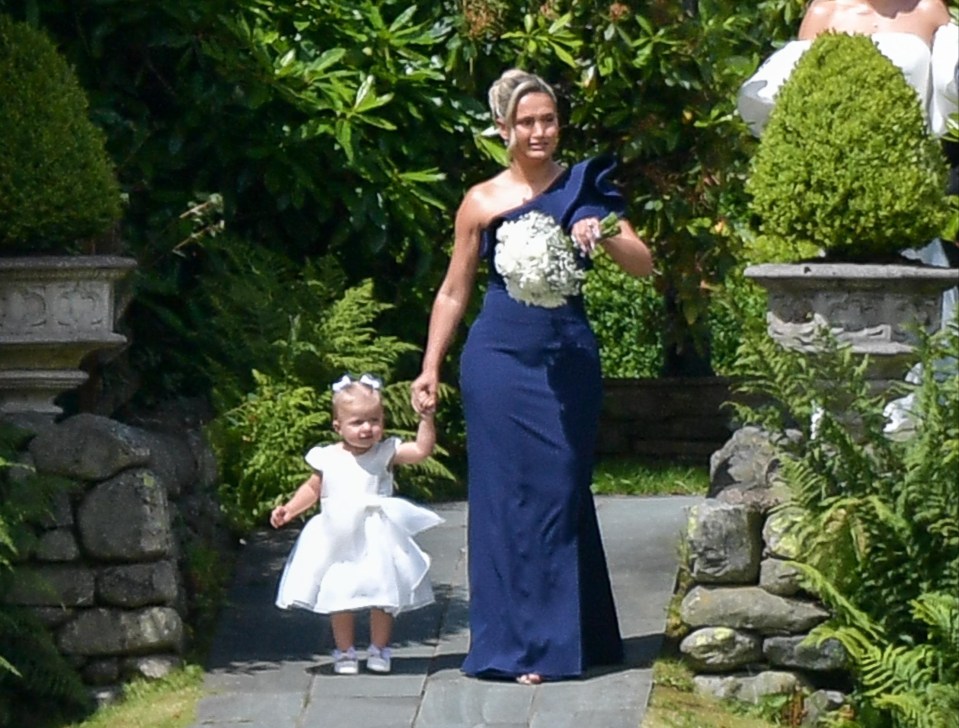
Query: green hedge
x: 56, y: 181
x: 846, y: 163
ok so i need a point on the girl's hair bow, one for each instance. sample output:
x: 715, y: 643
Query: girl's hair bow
x: 371, y: 381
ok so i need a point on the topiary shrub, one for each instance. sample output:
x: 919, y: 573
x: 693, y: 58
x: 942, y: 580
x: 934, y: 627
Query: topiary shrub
x: 846, y: 163
x: 57, y: 183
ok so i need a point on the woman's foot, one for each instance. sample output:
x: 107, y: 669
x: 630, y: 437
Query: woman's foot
x: 530, y: 678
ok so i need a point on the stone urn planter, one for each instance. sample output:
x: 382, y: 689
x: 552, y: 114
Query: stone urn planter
x: 54, y: 311
x: 876, y: 309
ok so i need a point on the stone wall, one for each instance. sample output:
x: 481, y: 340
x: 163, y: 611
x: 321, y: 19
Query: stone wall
x: 665, y: 418
x: 108, y: 573
x: 747, y: 613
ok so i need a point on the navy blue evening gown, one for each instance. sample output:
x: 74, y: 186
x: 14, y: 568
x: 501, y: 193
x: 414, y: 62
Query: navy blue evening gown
x: 540, y: 596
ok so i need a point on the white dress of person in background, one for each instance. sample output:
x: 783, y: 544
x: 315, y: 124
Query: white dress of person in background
x: 919, y: 37
x: 916, y: 35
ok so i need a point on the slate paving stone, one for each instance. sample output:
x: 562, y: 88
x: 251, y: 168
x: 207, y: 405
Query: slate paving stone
x: 271, y: 668
x: 251, y: 709
x: 366, y: 711
x: 456, y: 702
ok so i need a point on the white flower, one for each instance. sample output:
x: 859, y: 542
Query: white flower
x: 537, y: 261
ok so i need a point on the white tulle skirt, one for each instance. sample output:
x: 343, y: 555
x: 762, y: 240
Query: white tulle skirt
x: 359, y: 553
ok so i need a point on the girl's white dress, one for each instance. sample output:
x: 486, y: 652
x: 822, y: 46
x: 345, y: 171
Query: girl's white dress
x: 358, y: 552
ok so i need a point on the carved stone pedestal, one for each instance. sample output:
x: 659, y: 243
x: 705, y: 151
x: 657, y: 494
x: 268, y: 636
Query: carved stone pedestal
x: 876, y: 309
x: 54, y: 311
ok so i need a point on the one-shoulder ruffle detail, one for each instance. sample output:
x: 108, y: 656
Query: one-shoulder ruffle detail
x: 591, y: 191
x: 584, y: 190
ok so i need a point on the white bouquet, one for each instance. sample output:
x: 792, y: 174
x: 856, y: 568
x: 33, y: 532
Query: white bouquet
x: 538, y: 261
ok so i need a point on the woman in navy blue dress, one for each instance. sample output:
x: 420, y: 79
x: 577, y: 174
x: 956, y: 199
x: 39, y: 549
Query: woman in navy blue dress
x: 541, y: 606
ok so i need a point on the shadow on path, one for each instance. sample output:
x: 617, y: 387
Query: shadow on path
x: 270, y: 668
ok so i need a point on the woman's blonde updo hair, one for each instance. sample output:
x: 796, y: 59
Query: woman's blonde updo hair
x: 506, y: 92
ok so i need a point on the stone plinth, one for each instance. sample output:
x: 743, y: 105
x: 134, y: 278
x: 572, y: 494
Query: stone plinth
x: 875, y: 309
x: 54, y: 311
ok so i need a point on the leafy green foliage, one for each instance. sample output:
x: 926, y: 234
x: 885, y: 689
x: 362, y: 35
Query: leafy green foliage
x: 37, y: 686
x: 262, y: 438
x: 880, y: 524
x: 682, y: 149
x: 353, y: 128
x: 247, y: 298
x: 56, y: 180
x: 846, y: 163
x: 344, y: 134
x: 918, y: 684
x: 303, y: 118
x: 627, y: 315
x: 632, y: 477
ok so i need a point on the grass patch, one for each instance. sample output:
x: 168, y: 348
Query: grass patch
x: 672, y: 704
x: 630, y: 476
x: 167, y: 703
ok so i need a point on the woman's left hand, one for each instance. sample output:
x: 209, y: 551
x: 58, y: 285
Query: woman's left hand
x: 586, y: 234
x: 423, y: 393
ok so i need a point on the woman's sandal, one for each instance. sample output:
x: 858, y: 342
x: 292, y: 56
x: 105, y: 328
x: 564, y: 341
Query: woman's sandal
x: 530, y: 678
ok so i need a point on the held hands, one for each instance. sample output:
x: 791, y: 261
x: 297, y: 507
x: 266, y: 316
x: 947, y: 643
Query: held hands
x: 279, y: 517
x: 423, y: 393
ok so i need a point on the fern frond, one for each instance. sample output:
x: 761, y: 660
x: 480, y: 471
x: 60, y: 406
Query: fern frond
x: 845, y: 612
x: 880, y: 518
x: 261, y: 440
x: 40, y: 681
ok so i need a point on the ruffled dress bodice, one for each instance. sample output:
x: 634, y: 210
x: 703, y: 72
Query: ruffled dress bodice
x: 583, y: 190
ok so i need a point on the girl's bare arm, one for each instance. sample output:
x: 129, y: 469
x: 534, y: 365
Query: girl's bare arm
x: 408, y: 453
x: 303, y: 499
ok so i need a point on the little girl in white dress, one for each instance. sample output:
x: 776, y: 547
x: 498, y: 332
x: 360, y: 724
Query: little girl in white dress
x: 359, y: 552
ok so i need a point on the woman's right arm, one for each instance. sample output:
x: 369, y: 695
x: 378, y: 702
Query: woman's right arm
x: 451, y: 300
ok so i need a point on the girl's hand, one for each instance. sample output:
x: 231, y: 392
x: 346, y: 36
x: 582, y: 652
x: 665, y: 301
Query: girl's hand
x: 279, y: 517
x: 423, y: 393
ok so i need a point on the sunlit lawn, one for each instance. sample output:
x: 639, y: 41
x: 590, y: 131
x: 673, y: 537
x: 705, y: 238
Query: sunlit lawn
x: 624, y: 476
x: 167, y: 703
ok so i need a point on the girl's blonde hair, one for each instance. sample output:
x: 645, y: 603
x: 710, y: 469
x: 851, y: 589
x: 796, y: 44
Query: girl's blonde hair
x: 352, y: 392
x: 506, y: 92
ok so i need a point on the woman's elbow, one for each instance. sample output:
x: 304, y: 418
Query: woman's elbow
x: 636, y: 261
x: 640, y: 268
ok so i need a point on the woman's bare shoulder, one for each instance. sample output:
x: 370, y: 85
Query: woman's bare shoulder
x: 935, y: 10
x: 487, y: 199
x: 817, y: 18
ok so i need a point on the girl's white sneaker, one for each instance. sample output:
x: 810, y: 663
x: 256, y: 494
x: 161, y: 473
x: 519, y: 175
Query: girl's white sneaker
x: 345, y: 663
x: 378, y: 660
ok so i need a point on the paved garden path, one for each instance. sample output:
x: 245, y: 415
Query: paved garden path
x: 271, y: 669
